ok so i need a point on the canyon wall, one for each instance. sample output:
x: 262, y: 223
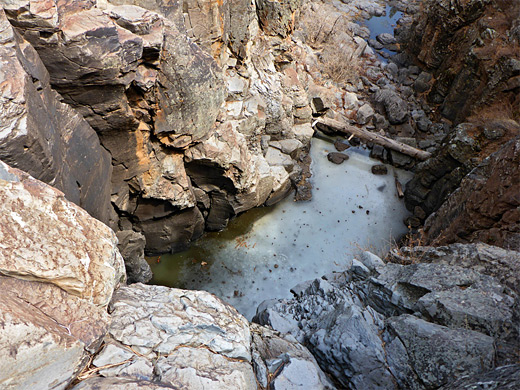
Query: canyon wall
x: 187, y: 99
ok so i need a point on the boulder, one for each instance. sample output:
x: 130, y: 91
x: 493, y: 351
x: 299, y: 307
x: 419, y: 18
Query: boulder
x: 176, y: 338
x: 373, y: 325
x: 337, y: 158
x: 49, y: 239
x: 392, y: 105
x: 364, y: 114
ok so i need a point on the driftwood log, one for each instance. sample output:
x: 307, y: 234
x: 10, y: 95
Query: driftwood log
x: 375, y: 138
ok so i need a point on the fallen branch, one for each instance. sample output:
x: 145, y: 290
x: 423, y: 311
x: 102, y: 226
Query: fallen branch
x: 375, y: 138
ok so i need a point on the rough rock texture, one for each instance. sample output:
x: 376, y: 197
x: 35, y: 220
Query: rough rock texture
x: 460, y: 152
x: 131, y: 246
x: 43, y: 136
x: 503, y: 265
x: 500, y: 378
x: 486, y: 207
x: 58, y: 269
x: 181, y: 338
x: 277, y: 17
x: 473, y: 50
x: 280, y: 362
x: 176, y: 93
x: 49, y: 239
x: 373, y: 326
x: 100, y: 383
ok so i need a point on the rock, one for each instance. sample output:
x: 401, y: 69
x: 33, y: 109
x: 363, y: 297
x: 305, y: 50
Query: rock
x: 350, y: 101
x: 458, y: 74
x: 131, y: 246
x: 379, y: 169
x: 337, y: 158
x: 290, y: 365
x: 117, y: 383
x: 41, y: 319
x: 422, y: 83
x: 503, y: 265
x: 395, y: 108
x: 277, y: 18
x: 503, y: 378
x: 45, y: 137
x: 27, y: 333
x: 386, y: 39
x: 486, y: 204
x: 364, y: 114
x: 341, y: 146
x: 433, y: 364
x: 375, y: 44
x: 343, y: 317
x: 49, y: 239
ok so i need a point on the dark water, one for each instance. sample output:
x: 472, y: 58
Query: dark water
x: 383, y: 24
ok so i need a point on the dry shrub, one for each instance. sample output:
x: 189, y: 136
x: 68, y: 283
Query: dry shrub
x: 326, y: 30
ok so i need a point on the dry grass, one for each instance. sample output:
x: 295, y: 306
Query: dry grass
x: 326, y: 31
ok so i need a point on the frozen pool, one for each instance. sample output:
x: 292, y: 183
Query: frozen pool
x: 266, y: 251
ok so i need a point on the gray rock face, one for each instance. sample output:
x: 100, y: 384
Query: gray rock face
x: 45, y: 137
x: 364, y: 114
x: 131, y: 246
x: 392, y: 105
x: 420, y: 325
x: 282, y: 363
x: 100, y: 383
x: 500, y: 378
x: 435, y: 353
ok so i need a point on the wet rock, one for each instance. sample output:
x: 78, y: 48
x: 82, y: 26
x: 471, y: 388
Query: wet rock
x: 364, y: 114
x: 386, y: 39
x: 341, y: 146
x: 131, y: 246
x: 379, y: 169
x: 45, y: 137
x: 49, y: 239
x: 337, y: 158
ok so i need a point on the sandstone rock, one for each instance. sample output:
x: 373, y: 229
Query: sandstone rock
x: 48, y: 239
x: 27, y: 334
x: 131, y: 246
x: 40, y: 134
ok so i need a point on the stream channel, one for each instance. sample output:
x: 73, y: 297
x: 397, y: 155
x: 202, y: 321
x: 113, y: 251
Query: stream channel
x: 266, y: 251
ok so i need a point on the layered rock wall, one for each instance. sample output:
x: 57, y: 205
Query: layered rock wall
x: 181, y: 99
x: 472, y: 47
